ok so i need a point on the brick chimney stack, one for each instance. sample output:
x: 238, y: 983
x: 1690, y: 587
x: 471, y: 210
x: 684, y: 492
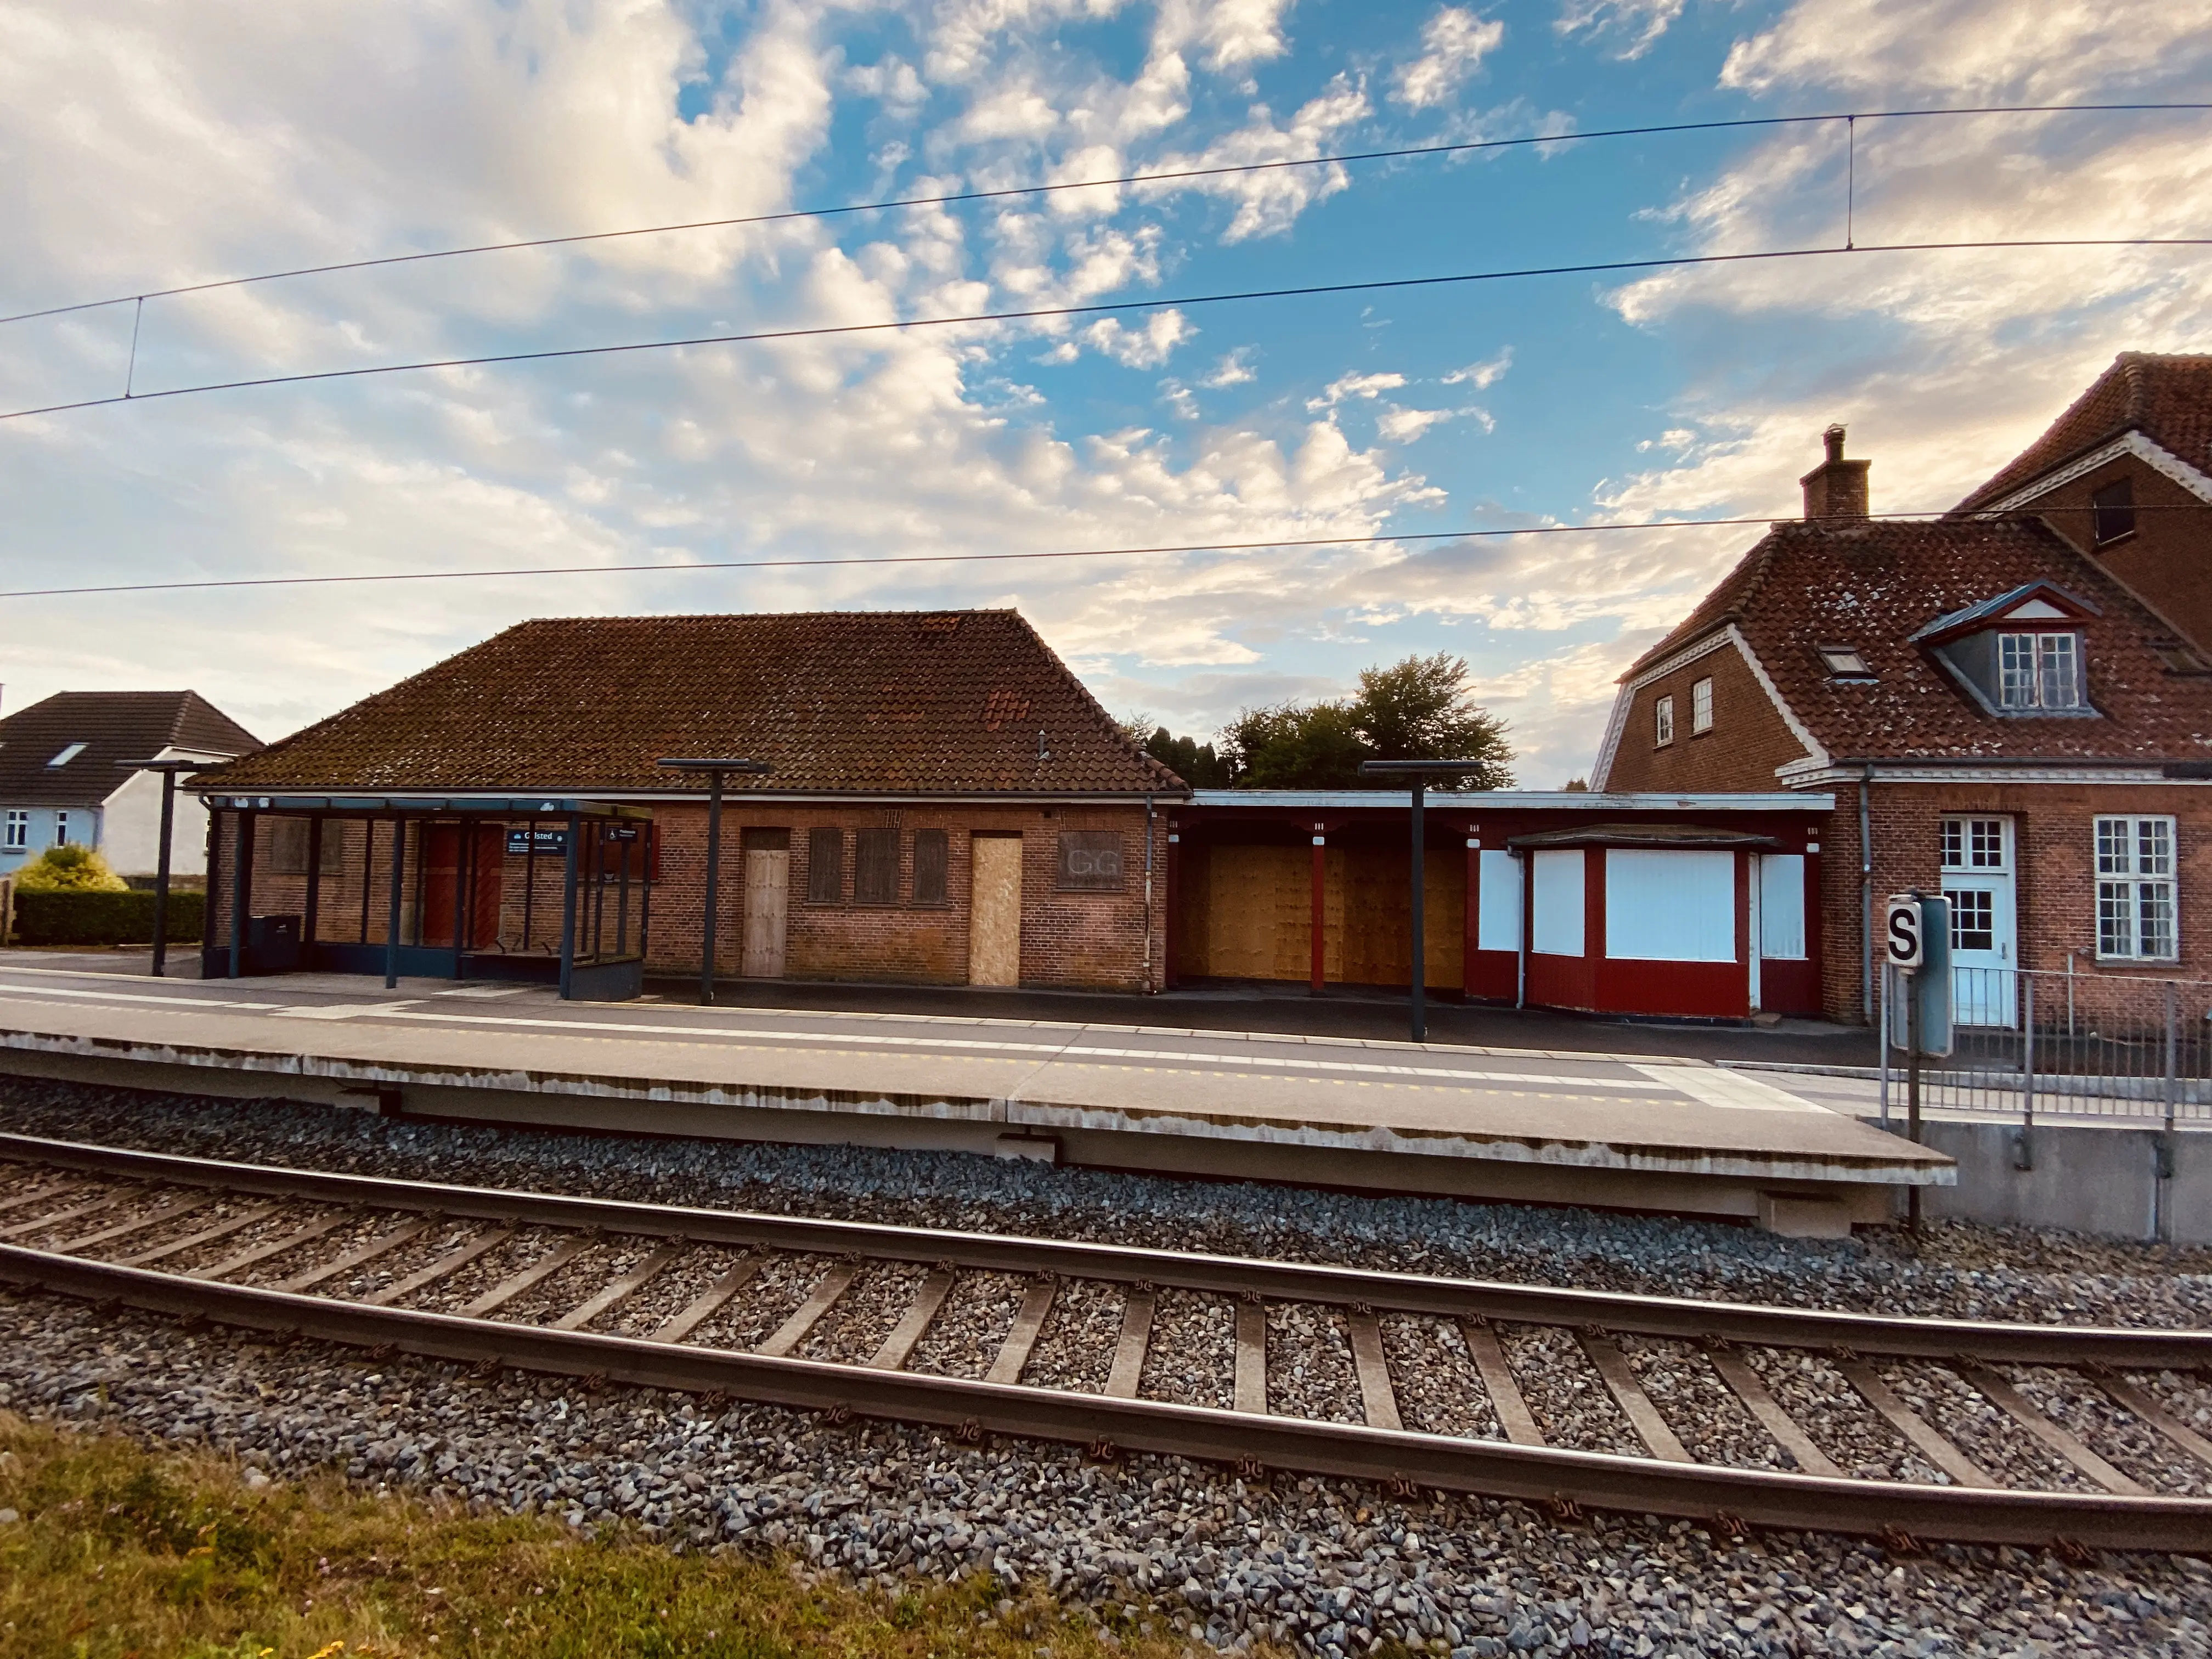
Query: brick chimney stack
x: 1837, y: 488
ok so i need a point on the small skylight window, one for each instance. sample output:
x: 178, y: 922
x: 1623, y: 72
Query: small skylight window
x: 2178, y: 659
x: 1844, y: 662
x: 66, y: 755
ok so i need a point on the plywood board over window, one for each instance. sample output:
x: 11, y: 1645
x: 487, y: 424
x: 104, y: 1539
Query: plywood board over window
x: 994, y: 931
x: 1555, y: 923
x: 1669, y: 905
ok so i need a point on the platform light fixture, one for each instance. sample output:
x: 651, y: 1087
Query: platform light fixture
x: 1417, y: 773
x: 171, y: 770
x: 715, y: 771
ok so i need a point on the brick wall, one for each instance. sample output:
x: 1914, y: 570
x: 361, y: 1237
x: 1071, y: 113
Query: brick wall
x: 1747, y: 741
x: 1085, y: 940
x: 2167, y: 560
x: 2055, y: 877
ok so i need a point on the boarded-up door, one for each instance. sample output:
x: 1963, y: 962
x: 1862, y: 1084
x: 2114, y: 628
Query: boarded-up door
x: 994, y: 926
x: 767, y: 897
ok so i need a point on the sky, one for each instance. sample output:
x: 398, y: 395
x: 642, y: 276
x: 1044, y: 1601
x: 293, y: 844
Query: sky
x: 145, y: 147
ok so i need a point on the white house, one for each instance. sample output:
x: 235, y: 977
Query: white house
x: 62, y: 780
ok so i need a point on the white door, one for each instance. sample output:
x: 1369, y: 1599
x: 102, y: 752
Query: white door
x: 1978, y: 863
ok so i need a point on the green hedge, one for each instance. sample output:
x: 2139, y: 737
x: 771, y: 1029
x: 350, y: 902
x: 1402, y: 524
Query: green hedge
x: 103, y: 918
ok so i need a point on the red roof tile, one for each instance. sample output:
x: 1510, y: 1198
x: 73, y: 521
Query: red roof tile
x: 2167, y: 398
x: 1871, y: 586
x: 837, y: 702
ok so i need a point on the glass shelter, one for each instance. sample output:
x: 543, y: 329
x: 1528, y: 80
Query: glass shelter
x: 552, y: 890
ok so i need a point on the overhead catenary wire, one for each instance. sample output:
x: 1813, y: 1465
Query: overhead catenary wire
x: 1167, y: 176
x: 1100, y: 308
x: 676, y: 566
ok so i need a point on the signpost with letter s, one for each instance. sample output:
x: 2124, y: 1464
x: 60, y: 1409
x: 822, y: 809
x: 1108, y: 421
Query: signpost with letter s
x: 1916, y: 936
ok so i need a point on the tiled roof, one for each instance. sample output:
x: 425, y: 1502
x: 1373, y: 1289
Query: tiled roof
x: 1871, y: 586
x: 2167, y: 398
x: 837, y: 702
x: 112, y: 726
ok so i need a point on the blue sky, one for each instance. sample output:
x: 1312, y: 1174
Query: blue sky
x: 140, y: 148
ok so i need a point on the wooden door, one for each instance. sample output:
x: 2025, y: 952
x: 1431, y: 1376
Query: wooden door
x: 995, y: 923
x: 444, y: 876
x: 767, y: 898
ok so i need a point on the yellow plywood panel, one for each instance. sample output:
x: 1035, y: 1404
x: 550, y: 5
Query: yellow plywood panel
x: 1244, y: 900
x: 1378, y: 946
x: 994, y: 935
x: 767, y: 899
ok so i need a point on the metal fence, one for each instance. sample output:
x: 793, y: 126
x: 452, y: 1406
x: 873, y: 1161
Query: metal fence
x: 2042, y: 1043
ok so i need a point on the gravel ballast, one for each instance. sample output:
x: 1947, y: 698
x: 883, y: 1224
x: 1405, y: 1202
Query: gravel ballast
x: 1327, y: 1567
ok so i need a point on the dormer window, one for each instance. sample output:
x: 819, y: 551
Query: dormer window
x: 1844, y: 662
x: 2113, y: 511
x: 2021, y: 653
x: 66, y: 755
x: 2039, y: 671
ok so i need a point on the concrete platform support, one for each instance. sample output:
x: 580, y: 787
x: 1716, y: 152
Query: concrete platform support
x: 2087, y: 1178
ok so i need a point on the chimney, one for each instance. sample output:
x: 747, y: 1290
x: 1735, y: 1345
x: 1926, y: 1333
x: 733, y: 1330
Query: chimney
x: 1837, y: 488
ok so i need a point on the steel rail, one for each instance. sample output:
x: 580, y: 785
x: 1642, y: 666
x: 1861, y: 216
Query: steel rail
x: 1730, y: 1498
x: 1693, y: 1319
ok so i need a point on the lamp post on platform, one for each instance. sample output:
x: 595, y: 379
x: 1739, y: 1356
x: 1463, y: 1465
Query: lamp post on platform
x: 1417, y: 773
x: 715, y: 771
x: 171, y: 770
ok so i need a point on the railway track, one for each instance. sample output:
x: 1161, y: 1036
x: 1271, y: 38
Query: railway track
x: 1732, y: 1415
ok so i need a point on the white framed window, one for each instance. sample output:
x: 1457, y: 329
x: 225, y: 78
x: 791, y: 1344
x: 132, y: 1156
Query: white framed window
x: 15, y: 837
x: 2038, y: 671
x: 2135, y: 919
x: 61, y: 828
x: 1662, y: 722
x: 1701, y: 707
x: 1975, y: 844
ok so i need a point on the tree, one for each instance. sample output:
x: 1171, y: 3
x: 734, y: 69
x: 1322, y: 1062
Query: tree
x: 1417, y: 710
x: 69, y: 869
x: 1422, y: 710
x: 1196, y: 763
x: 1289, y: 746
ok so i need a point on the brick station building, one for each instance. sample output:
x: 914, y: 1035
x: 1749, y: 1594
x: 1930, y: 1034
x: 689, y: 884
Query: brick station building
x: 2012, y: 705
x: 946, y: 803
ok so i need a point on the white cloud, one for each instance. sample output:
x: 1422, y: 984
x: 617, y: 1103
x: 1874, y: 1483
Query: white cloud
x: 892, y: 81
x: 1147, y: 346
x: 1356, y: 385
x: 1232, y: 33
x: 1974, y: 50
x: 1484, y: 375
x: 1453, y: 44
x: 1234, y: 369
x: 1404, y: 426
x: 170, y: 145
x: 1270, y: 202
x: 1640, y: 23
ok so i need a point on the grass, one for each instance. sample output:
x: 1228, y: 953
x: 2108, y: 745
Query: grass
x: 123, y: 1553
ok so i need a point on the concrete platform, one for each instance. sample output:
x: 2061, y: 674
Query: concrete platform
x: 1628, y: 1131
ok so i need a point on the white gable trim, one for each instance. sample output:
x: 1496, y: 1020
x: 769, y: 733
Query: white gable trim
x: 1624, y: 698
x: 2155, y: 456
